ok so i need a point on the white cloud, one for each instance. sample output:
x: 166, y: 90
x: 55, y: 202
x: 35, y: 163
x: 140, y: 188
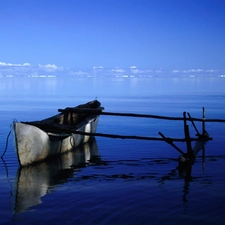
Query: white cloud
x: 199, y: 70
x: 118, y: 70
x: 98, y: 67
x: 193, y: 71
x: 52, y: 66
x: 211, y: 71
x: 13, y: 64
x: 137, y: 71
x: 4, y: 64
x: 175, y: 71
x: 48, y: 66
x: 26, y: 69
x: 80, y: 73
x: 26, y: 64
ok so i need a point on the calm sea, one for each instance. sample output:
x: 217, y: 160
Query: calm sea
x: 116, y: 181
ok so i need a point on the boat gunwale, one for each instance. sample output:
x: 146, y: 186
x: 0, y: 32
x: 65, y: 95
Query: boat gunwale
x: 62, y: 129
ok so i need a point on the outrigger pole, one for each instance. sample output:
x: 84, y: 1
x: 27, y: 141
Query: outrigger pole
x: 99, y: 112
x: 190, y: 153
x: 167, y: 139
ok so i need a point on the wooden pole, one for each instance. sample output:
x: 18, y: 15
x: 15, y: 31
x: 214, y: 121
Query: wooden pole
x: 203, y: 132
x: 132, y: 137
x: 203, y: 120
x: 187, y: 135
x: 99, y: 112
x: 193, y: 124
x: 169, y: 141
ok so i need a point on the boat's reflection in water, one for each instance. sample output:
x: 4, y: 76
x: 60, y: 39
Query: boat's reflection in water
x: 34, y: 181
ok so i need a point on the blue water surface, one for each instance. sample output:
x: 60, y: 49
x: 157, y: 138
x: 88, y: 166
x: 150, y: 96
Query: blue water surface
x: 126, y: 181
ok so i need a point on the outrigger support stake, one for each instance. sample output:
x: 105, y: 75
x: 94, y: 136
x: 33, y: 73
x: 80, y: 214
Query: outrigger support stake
x: 188, y: 158
x: 203, y: 120
x: 193, y: 124
x: 169, y: 141
x: 187, y: 135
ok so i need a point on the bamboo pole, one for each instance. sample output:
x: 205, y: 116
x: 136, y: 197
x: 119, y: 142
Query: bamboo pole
x: 193, y: 124
x: 99, y: 112
x: 169, y: 141
x: 132, y: 137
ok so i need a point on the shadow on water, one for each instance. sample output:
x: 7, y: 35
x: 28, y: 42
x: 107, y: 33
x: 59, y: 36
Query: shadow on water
x: 35, y: 181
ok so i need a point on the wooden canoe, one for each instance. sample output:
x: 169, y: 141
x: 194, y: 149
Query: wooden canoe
x: 37, y: 140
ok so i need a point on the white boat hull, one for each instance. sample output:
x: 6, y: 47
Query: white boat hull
x: 32, y: 144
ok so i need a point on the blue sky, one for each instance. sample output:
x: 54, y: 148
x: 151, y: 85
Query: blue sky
x: 173, y: 35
